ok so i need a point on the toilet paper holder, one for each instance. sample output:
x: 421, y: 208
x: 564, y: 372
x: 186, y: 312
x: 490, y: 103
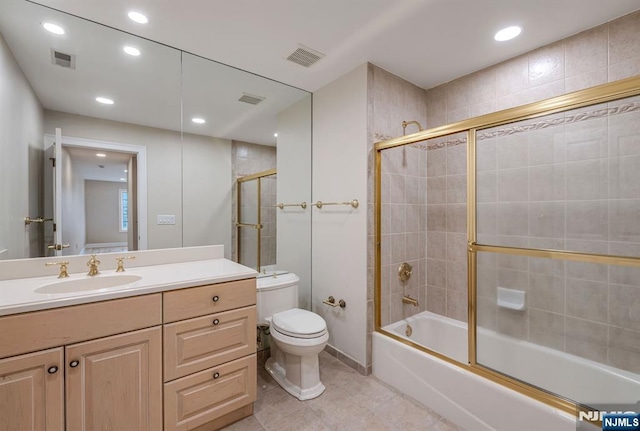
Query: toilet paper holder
x: 332, y: 302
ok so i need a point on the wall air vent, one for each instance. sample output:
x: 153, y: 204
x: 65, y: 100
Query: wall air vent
x: 251, y: 99
x: 305, y: 56
x: 62, y: 59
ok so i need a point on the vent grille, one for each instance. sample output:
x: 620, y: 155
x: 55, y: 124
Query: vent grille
x: 62, y: 59
x: 305, y: 56
x: 251, y: 99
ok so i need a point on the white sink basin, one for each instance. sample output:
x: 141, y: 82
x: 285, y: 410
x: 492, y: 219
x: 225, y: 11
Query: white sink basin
x: 86, y: 284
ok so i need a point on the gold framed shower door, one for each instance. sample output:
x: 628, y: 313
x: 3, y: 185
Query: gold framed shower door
x: 599, y: 94
x: 258, y: 225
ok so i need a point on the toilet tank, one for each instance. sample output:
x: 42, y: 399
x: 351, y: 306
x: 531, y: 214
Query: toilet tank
x: 276, y: 294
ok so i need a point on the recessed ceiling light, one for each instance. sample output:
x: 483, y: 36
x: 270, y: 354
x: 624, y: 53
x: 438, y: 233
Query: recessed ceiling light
x: 101, y: 155
x: 55, y: 29
x: 126, y: 170
x: 275, y: 135
x: 104, y: 100
x: 131, y: 50
x: 137, y: 17
x: 507, y: 33
x: 198, y: 120
x: 123, y: 179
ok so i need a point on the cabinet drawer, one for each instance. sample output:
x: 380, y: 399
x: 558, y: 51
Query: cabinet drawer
x: 40, y: 330
x: 199, y: 301
x: 202, y: 397
x: 195, y: 344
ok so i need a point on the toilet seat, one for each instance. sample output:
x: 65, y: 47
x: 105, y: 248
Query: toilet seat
x: 298, y: 323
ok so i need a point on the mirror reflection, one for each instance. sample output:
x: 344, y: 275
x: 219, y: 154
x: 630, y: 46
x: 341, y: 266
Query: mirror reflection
x: 148, y: 143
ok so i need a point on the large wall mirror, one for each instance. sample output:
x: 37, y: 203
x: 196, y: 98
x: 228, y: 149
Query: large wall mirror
x: 149, y: 144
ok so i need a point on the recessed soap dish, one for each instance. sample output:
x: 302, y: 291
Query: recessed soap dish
x: 511, y: 299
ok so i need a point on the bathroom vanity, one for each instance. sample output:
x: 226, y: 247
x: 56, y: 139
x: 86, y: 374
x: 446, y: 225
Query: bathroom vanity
x: 174, y: 350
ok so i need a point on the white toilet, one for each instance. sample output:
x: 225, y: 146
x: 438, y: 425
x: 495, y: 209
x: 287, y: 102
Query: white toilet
x: 297, y: 336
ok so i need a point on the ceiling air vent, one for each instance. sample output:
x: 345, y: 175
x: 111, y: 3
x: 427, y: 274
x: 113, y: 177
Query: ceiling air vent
x: 251, y: 99
x: 305, y: 56
x: 62, y: 59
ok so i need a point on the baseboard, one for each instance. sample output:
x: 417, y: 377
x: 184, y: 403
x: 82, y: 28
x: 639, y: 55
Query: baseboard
x: 348, y: 360
x: 106, y: 244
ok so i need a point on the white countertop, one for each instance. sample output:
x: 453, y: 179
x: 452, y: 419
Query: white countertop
x: 19, y: 295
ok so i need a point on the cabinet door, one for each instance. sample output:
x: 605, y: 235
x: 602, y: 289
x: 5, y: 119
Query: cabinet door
x: 32, y: 392
x: 115, y: 383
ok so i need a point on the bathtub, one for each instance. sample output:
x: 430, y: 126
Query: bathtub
x: 477, y: 403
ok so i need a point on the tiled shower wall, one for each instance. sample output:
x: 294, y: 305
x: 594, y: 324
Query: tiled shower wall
x: 603, y: 54
x: 568, y: 181
x: 392, y: 100
x: 250, y: 159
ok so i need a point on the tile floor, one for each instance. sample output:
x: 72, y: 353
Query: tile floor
x: 350, y: 402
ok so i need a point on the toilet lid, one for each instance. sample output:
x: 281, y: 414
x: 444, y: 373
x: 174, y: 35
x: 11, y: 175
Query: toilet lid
x: 299, y: 323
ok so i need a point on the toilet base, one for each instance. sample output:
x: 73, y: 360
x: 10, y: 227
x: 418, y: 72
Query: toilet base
x: 279, y: 375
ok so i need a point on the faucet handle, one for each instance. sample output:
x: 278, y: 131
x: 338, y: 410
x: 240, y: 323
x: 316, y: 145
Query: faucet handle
x: 120, y: 260
x: 63, y: 268
x: 93, y: 265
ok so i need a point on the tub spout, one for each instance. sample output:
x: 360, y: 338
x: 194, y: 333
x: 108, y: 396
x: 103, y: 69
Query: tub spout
x: 409, y: 300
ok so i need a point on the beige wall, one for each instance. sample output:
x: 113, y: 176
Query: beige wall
x: 339, y: 234
x: 206, y: 192
x: 294, y: 186
x: 102, y: 209
x: 21, y: 149
x: 206, y: 172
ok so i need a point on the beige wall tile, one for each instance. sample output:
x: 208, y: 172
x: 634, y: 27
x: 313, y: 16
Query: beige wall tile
x: 546, y: 292
x: 587, y: 180
x: 436, y: 300
x: 437, y: 162
x: 457, y: 218
x: 587, y: 299
x: 512, y: 76
x: 547, y: 183
x: 623, y: 220
x: 513, y: 184
x: 624, y: 174
x: 513, y: 323
x: 437, y: 190
x: 547, y: 64
x: 587, y: 220
x: 482, y: 86
x: 546, y: 329
x: 436, y: 245
x: 624, y: 38
x: 457, y: 305
x: 587, y: 51
x: 456, y: 160
x: 547, y: 219
x: 586, y: 339
x: 624, y: 306
x: 487, y: 186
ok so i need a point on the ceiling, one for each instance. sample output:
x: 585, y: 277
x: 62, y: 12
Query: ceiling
x: 162, y: 88
x: 427, y: 42
x: 90, y: 167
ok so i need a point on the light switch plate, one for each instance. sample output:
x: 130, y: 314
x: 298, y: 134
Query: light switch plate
x: 167, y: 219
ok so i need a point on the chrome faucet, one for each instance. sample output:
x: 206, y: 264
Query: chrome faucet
x: 93, y: 265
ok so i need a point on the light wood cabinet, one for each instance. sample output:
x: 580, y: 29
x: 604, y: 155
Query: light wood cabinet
x: 32, y: 392
x: 210, y: 355
x: 115, y: 383
x: 104, y: 367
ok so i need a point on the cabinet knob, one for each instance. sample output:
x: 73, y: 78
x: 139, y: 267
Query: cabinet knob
x: 74, y: 364
x: 52, y: 370
x: 216, y: 321
x: 216, y: 298
x: 216, y: 375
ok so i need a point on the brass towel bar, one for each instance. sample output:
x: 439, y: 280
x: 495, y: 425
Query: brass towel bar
x: 29, y: 220
x: 256, y: 226
x: 303, y: 205
x: 354, y: 203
